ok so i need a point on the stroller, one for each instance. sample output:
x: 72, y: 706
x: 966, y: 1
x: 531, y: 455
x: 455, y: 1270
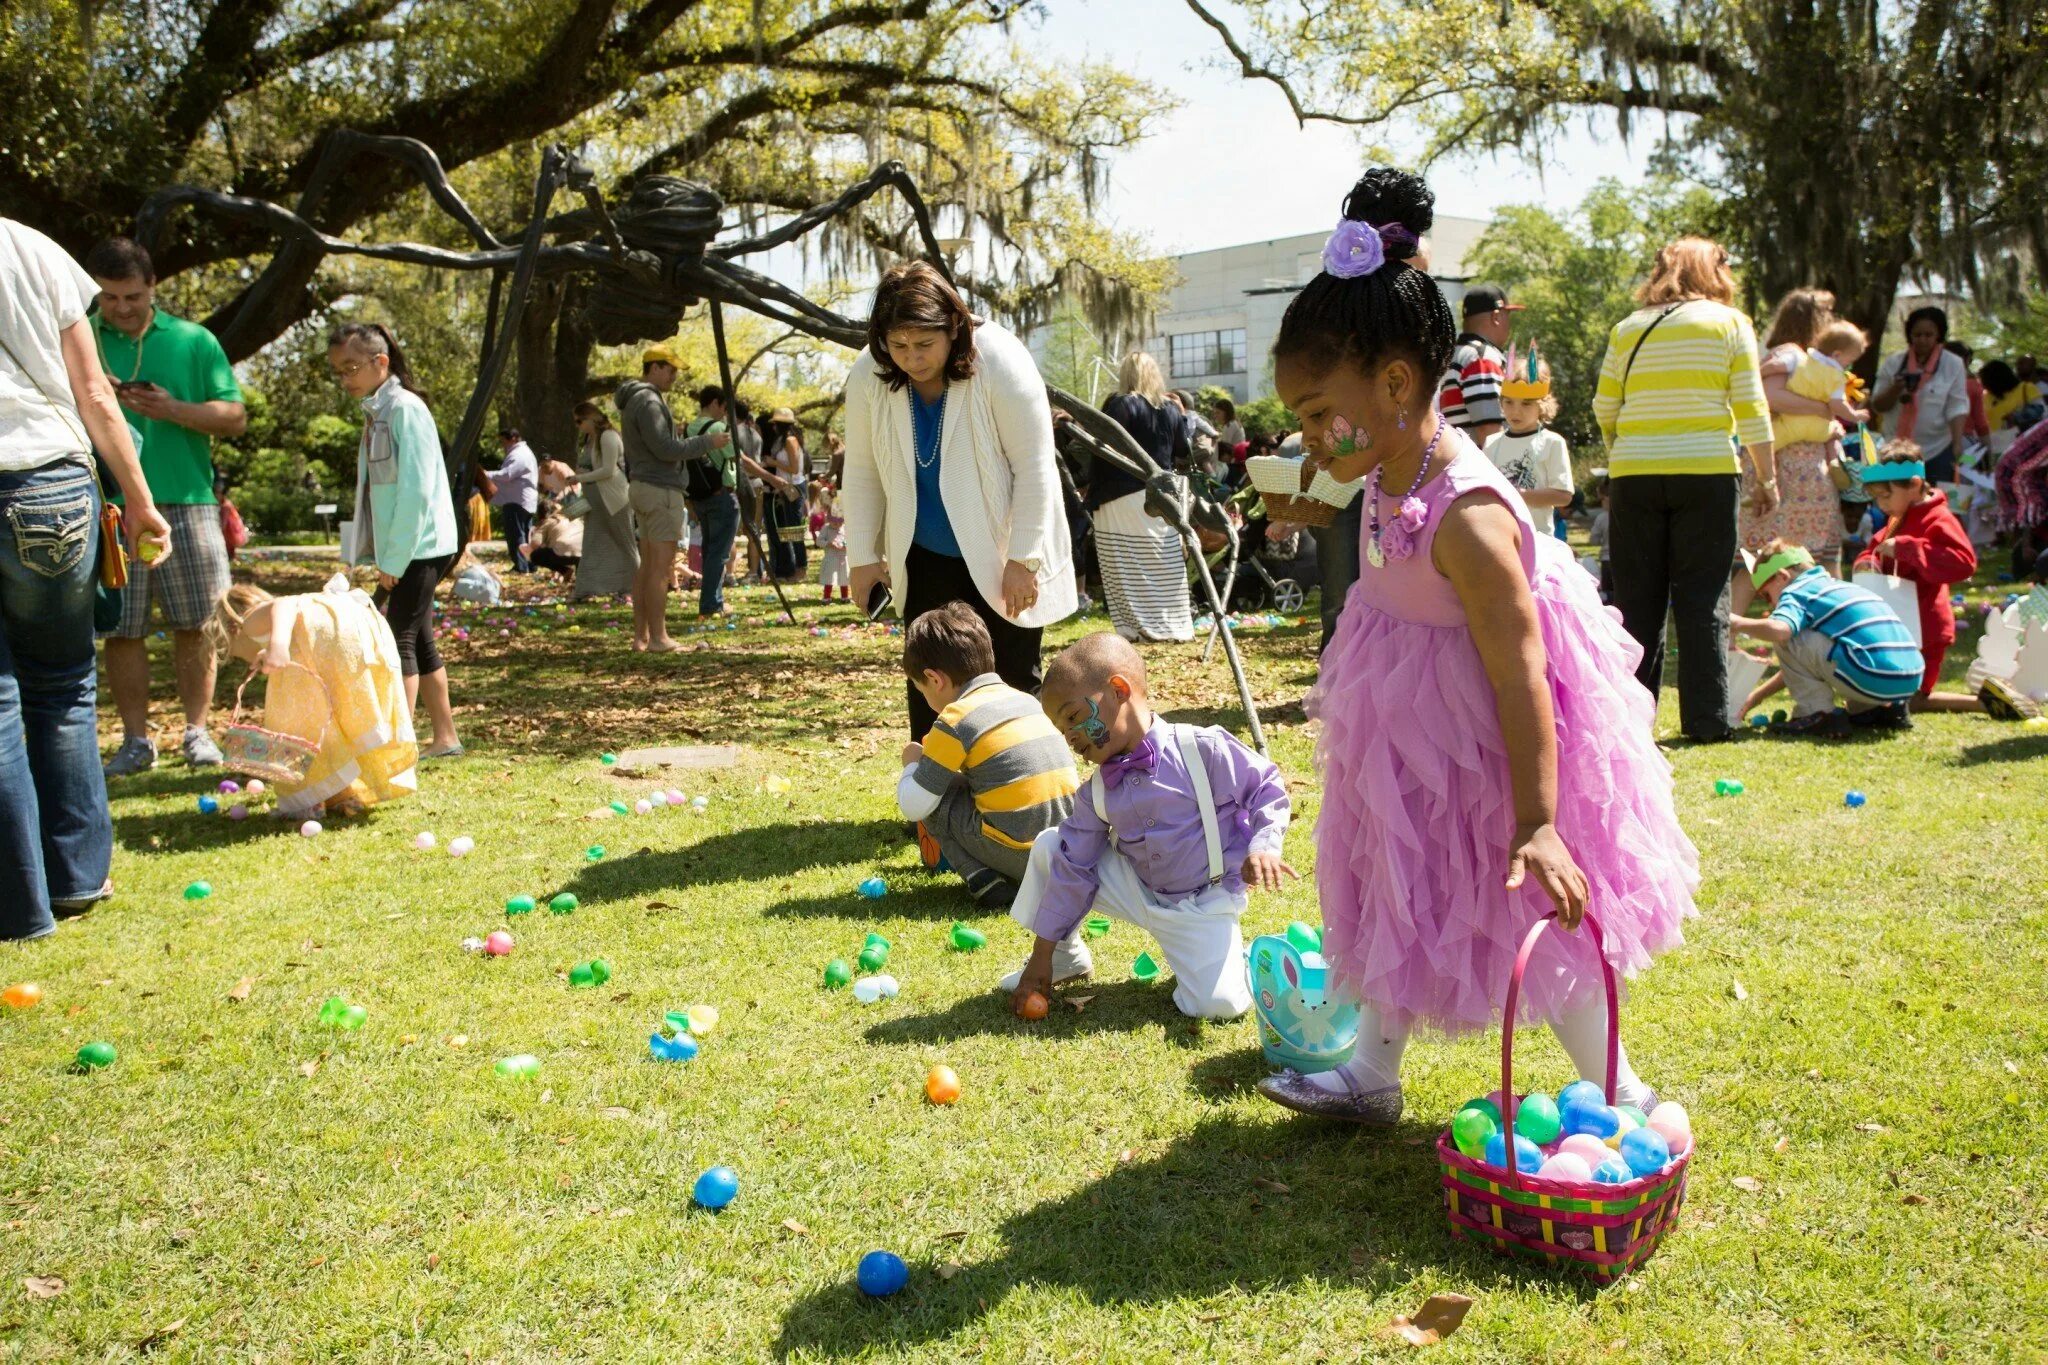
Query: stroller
x: 1241, y: 562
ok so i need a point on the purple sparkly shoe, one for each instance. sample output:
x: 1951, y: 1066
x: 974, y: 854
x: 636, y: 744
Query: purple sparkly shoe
x: 1375, y: 1108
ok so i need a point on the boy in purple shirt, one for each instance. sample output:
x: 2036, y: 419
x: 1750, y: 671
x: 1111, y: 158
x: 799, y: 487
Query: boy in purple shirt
x: 1173, y: 828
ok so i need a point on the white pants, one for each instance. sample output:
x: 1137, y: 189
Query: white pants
x: 1198, y: 936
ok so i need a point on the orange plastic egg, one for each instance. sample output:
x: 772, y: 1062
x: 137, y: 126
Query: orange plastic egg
x: 941, y: 1085
x: 22, y: 994
x: 1035, y: 1006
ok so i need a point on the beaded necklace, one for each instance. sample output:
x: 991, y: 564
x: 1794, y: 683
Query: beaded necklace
x: 1374, y: 555
x: 938, y: 432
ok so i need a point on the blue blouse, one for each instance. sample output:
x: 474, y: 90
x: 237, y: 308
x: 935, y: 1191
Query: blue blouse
x: 934, y: 529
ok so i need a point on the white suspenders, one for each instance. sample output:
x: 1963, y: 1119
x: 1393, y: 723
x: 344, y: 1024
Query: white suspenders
x: 1198, y: 774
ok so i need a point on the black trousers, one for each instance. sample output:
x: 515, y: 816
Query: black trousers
x: 1337, y: 557
x: 937, y: 579
x: 409, y: 607
x: 1672, y: 543
x: 545, y: 558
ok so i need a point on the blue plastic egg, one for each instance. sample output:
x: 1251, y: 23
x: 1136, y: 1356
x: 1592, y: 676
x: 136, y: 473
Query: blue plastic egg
x: 1613, y: 1171
x: 881, y: 1274
x: 874, y: 888
x: 1645, y: 1151
x: 1581, y: 1092
x: 681, y: 1048
x: 1854, y: 800
x: 716, y: 1187
x: 207, y: 805
x: 1595, y: 1118
x: 1528, y: 1156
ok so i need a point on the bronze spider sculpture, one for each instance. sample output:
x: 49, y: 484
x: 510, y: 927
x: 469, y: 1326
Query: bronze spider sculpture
x: 651, y: 258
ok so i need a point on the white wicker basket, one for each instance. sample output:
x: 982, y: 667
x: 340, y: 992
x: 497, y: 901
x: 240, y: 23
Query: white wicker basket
x: 1280, y: 482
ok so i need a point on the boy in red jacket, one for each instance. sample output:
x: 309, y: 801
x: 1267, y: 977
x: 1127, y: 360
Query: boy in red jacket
x: 1923, y: 542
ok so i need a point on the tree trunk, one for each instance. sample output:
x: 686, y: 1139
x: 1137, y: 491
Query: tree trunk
x: 553, y: 373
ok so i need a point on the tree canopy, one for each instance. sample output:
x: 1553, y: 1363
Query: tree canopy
x: 1857, y: 142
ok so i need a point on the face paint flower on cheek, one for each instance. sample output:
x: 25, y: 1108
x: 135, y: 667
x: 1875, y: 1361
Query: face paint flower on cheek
x: 1344, y: 439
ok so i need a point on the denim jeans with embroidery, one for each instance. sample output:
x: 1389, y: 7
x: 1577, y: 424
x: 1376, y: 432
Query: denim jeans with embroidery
x: 56, y: 837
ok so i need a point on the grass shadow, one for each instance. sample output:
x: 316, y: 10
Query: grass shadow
x: 936, y: 896
x: 1120, y: 1006
x: 2011, y: 749
x: 1357, y: 1208
x: 752, y: 854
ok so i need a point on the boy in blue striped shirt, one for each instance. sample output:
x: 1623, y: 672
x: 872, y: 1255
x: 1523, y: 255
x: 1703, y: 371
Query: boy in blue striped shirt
x: 1832, y: 638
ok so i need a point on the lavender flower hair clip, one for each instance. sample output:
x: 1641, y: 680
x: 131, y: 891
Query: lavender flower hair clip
x: 1357, y: 248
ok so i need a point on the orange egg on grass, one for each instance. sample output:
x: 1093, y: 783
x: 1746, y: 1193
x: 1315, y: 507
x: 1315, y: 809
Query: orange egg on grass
x: 22, y: 994
x: 1035, y: 1006
x: 941, y: 1085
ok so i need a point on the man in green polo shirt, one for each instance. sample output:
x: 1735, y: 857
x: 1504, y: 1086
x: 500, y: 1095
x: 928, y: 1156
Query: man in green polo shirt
x: 179, y: 392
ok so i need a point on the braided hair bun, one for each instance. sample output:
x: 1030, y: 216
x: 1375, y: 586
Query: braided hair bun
x: 1395, y: 310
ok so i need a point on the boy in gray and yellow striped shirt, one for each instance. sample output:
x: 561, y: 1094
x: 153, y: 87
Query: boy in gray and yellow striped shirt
x: 993, y: 773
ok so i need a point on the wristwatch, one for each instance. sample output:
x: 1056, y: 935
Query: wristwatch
x: 1032, y: 564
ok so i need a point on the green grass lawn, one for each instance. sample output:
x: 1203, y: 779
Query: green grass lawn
x: 1856, y: 1024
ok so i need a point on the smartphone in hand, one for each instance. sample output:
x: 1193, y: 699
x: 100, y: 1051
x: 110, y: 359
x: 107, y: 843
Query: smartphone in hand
x: 880, y: 603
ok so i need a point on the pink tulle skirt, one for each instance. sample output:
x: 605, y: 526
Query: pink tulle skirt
x: 1417, y: 815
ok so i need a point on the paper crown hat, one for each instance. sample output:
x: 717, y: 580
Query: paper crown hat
x: 1525, y: 380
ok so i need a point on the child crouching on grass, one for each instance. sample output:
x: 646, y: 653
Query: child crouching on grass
x: 1832, y: 637
x: 992, y: 775
x: 334, y: 679
x: 1175, y: 825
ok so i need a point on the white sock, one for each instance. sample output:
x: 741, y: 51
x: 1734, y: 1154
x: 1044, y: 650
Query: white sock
x: 1583, y: 1031
x: 1376, y: 1062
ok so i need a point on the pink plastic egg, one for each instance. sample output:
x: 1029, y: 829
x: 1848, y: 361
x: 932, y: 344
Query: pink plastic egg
x: 238, y: 811
x: 498, y: 943
x: 643, y: 807
x: 255, y: 787
x: 1586, y: 1148
x: 1566, y: 1166
x: 310, y: 828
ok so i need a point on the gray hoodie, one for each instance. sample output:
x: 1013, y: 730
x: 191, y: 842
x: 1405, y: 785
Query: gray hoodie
x: 654, y: 453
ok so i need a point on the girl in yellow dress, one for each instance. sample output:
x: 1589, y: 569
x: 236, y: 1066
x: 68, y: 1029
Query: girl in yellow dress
x: 334, y: 678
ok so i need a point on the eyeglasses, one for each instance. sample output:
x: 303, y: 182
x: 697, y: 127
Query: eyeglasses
x: 348, y: 371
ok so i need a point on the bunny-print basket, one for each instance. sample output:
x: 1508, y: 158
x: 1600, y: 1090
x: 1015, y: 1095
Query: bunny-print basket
x: 271, y: 755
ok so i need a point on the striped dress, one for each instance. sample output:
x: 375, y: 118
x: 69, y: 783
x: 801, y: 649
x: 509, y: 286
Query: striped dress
x: 1143, y: 560
x: 1691, y: 396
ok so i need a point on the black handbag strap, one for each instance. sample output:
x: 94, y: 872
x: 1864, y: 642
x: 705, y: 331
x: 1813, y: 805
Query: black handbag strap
x: 1645, y: 336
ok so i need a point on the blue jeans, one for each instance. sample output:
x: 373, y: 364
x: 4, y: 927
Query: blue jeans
x: 720, y: 518
x: 518, y: 530
x: 56, y: 836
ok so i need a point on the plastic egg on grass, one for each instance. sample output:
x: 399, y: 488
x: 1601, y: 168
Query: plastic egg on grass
x: 676, y: 797
x: 881, y: 1274
x: 461, y: 846
x: 657, y: 799
x: 22, y: 995
x: 424, y: 840
x: 643, y: 807
x: 701, y: 1019
x: 717, y: 1187
x: 229, y: 787
x: 96, y: 1056
x: 838, y: 974
x: 208, y: 805
x: 1035, y: 1007
x: 1566, y: 1166
x: 255, y: 787
x: 498, y: 943
x: 310, y: 828
x: 942, y: 1085
x: 238, y: 811
x: 198, y: 891
x: 665, y: 1047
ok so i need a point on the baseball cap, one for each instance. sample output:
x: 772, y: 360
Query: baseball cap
x: 1486, y: 298
x: 660, y: 355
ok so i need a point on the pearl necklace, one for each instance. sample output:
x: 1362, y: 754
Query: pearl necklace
x: 938, y: 432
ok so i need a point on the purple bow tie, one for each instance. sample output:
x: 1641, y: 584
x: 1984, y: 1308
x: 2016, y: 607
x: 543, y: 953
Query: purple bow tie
x: 1144, y: 758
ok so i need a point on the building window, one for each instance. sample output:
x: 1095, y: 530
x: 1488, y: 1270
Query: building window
x: 1198, y: 355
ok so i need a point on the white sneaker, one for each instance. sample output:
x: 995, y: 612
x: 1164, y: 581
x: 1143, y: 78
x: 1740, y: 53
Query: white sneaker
x: 1071, y: 961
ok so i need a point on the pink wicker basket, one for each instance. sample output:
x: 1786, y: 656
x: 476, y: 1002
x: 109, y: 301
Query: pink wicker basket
x: 1607, y: 1230
x: 271, y: 755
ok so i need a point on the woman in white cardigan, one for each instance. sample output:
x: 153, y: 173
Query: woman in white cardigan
x: 611, y: 556
x: 951, y: 493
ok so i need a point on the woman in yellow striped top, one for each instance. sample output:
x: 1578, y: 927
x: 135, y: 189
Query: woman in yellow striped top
x: 1679, y: 392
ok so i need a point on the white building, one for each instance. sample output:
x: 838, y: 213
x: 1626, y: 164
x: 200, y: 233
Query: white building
x: 1217, y: 326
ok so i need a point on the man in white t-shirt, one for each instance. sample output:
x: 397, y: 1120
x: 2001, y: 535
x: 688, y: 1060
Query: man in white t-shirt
x: 1529, y: 454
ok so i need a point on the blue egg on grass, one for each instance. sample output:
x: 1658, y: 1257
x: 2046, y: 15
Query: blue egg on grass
x: 207, y: 805
x: 716, y: 1187
x: 1613, y: 1171
x: 1528, y: 1156
x: 1595, y: 1118
x: 1645, y: 1151
x: 1854, y: 800
x: 881, y: 1274
x: 1581, y: 1092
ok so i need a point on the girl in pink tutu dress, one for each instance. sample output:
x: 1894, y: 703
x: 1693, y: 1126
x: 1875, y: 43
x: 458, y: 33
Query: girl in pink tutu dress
x: 1486, y: 753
